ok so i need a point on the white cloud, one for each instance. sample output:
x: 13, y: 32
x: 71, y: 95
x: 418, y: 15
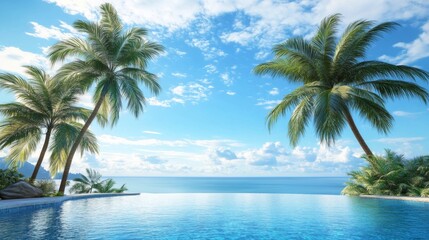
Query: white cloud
x: 267, y: 104
x: 152, y: 132
x: 261, y: 55
x: 58, y: 33
x: 219, y: 155
x: 405, y: 114
x: 210, y: 68
x: 400, y: 140
x: 86, y: 100
x: 259, y: 22
x: 153, y: 101
x: 272, y: 156
x: 204, y: 143
x: 412, y: 51
x: 191, y: 92
x: 179, y: 75
x: 231, y: 93
x: 12, y: 59
x: 408, y: 146
x: 226, y: 79
x: 207, y: 50
x: 180, y: 53
x: 274, y: 91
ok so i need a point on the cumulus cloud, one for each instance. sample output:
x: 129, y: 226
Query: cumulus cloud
x: 267, y: 104
x: 179, y: 75
x: 274, y: 91
x: 220, y: 155
x: 210, y: 68
x: 226, y: 79
x: 230, y: 93
x: 12, y: 59
x: 207, y: 50
x: 154, y: 101
x: 58, y: 33
x: 257, y: 22
x: 191, y: 92
x: 205, y: 143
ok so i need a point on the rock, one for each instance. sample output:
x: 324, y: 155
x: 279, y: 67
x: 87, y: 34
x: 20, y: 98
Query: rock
x: 20, y: 189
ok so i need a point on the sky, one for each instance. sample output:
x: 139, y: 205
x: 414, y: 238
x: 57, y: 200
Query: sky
x: 210, y: 119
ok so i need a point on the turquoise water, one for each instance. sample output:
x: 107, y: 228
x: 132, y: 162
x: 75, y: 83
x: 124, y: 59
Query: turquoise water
x: 222, y: 216
x: 299, y: 185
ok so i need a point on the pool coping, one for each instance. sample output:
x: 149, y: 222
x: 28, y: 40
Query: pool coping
x: 29, y: 203
x: 403, y: 198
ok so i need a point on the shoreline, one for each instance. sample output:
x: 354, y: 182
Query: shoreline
x: 403, y: 198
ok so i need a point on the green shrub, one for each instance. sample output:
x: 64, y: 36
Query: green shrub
x: 47, y: 186
x: 391, y: 174
x: 9, y: 176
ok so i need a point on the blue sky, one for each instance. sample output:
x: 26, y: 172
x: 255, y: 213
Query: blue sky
x: 209, y: 119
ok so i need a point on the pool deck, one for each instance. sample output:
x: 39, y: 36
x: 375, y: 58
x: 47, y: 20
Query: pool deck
x: 25, y: 203
x: 416, y: 199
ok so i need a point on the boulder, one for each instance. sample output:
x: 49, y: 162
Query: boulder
x: 20, y: 189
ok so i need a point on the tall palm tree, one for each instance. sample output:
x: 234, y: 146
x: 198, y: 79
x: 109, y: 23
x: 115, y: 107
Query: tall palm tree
x: 113, y: 59
x: 336, y: 80
x: 44, y: 107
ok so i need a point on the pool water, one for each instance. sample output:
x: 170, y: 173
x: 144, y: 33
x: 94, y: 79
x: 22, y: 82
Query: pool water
x: 221, y: 216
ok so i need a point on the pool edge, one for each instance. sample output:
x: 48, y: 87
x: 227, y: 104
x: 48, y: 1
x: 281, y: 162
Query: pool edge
x: 35, y: 203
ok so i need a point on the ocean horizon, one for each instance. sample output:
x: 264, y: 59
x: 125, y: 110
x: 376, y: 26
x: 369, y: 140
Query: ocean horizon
x: 285, y: 185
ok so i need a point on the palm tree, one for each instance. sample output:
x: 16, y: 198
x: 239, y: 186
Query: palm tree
x: 92, y: 184
x: 86, y: 184
x: 44, y: 107
x: 336, y: 80
x: 115, y: 61
x: 106, y: 186
x: 391, y: 174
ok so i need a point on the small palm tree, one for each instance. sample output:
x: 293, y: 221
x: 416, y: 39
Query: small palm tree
x: 115, y: 61
x: 336, y: 80
x: 86, y: 184
x: 106, y: 186
x: 44, y: 107
x: 92, y: 183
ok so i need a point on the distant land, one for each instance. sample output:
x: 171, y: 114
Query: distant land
x: 27, y: 170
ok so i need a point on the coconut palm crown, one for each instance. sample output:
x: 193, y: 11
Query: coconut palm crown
x: 114, y: 60
x: 45, y: 106
x: 337, y: 80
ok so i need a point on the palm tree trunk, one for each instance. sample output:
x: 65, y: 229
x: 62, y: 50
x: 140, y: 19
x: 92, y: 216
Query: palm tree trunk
x: 42, y: 154
x: 78, y: 140
x: 357, y: 134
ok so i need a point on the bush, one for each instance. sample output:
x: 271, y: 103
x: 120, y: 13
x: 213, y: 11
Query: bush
x: 47, y: 186
x: 392, y: 175
x: 9, y: 176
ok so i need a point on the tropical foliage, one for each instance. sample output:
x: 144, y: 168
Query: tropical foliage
x: 391, y: 175
x: 115, y: 61
x: 47, y: 186
x: 337, y: 81
x: 45, y: 106
x: 9, y: 176
x: 92, y: 183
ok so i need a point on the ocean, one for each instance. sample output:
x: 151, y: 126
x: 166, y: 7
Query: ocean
x: 289, y: 185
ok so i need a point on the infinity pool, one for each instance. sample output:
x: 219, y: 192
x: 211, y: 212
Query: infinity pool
x: 221, y: 216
